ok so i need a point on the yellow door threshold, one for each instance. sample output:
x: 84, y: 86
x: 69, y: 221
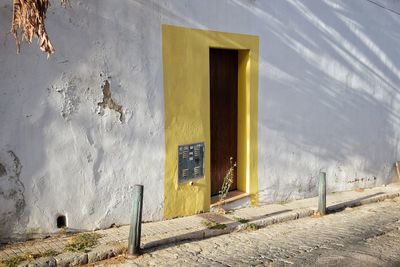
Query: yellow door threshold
x: 231, y: 197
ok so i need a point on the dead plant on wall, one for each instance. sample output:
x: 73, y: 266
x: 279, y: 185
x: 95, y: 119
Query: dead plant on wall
x: 29, y: 17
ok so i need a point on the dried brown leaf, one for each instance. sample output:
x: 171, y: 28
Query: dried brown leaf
x: 29, y: 17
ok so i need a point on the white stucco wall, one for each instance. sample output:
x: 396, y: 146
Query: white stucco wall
x: 328, y: 99
x: 329, y: 91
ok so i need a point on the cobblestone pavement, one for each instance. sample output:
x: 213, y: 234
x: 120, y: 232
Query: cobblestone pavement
x: 113, y: 241
x: 364, y: 236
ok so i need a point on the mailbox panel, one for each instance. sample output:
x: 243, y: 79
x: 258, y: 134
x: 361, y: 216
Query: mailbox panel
x: 190, y: 162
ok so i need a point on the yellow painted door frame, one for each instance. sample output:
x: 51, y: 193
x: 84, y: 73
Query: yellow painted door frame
x: 187, y: 112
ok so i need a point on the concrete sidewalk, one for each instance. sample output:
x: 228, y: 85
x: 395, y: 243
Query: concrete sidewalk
x: 113, y: 241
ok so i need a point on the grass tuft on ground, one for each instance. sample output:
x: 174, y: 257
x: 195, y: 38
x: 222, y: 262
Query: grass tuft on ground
x: 83, y: 242
x: 14, y: 261
x: 241, y: 220
x: 213, y: 225
x: 250, y: 227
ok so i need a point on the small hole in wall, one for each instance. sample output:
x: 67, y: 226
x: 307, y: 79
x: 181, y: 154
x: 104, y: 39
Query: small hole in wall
x: 61, y: 221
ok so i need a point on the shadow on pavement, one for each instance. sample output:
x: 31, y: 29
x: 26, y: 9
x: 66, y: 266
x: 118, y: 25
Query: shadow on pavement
x: 352, y: 203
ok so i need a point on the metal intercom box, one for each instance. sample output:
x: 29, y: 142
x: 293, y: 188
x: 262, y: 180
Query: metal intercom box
x: 190, y: 162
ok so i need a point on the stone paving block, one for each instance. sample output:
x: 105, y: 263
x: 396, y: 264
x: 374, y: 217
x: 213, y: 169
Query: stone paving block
x: 215, y: 232
x: 11, y: 254
x: 53, y: 246
x: 43, y: 262
x: 24, y: 264
x: 71, y: 259
x: 3, y: 255
x: 103, y: 252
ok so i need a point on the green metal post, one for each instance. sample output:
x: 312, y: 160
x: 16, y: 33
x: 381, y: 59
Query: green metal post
x: 322, y: 193
x: 136, y: 221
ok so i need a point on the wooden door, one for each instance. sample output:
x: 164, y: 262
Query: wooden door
x: 223, y: 114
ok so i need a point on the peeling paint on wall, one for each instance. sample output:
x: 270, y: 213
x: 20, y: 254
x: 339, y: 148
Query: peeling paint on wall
x: 12, y: 197
x: 71, y: 100
x: 108, y: 102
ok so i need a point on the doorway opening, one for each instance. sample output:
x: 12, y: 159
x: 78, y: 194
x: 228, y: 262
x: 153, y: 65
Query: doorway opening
x: 186, y: 80
x: 223, y: 115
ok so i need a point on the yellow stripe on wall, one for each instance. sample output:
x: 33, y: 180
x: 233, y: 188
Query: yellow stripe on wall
x: 187, y: 112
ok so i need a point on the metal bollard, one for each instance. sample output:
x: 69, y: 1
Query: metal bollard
x: 322, y: 193
x: 136, y: 221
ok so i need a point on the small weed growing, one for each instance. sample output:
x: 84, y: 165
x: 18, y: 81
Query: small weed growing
x: 227, y: 181
x: 48, y: 253
x: 241, y: 220
x: 250, y: 227
x: 83, y: 242
x: 213, y: 225
x: 14, y: 261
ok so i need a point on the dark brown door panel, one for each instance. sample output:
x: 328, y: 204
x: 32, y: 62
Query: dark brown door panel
x: 223, y: 114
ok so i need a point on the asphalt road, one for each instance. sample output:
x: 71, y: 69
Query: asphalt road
x: 364, y: 236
